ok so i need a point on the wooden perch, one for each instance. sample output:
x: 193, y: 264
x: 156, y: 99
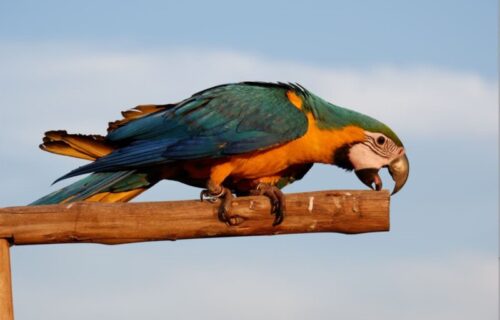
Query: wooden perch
x: 6, y: 307
x: 323, y: 211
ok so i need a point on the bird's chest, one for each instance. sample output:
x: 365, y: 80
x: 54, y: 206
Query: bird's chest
x: 316, y: 146
x: 274, y: 161
x: 261, y: 164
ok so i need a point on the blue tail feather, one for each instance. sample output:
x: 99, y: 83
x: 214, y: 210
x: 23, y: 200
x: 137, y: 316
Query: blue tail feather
x: 96, y: 183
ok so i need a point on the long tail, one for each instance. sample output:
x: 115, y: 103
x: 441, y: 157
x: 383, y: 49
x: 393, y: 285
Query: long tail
x: 120, y: 186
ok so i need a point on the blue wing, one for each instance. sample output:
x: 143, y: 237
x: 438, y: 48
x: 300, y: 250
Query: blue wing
x: 220, y: 121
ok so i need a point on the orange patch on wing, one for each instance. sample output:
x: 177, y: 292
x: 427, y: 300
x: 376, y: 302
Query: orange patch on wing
x: 294, y: 99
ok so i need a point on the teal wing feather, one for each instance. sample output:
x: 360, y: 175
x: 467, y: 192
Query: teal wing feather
x: 221, y: 121
x: 118, y: 181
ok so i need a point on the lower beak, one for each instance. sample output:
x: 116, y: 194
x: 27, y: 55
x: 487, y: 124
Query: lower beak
x: 399, y: 169
x: 370, y: 178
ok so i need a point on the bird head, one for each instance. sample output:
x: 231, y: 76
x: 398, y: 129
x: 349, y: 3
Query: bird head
x: 362, y: 143
x: 375, y: 147
x: 378, y: 151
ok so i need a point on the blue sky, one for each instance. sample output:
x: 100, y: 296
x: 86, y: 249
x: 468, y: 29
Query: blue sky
x: 452, y: 34
x: 427, y: 68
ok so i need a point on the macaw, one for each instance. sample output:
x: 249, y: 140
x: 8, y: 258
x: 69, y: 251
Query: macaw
x: 248, y: 138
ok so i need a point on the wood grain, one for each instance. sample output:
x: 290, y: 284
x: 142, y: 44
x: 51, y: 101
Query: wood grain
x: 6, y: 309
x: 349, y: 212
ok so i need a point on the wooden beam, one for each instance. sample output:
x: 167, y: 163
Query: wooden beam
x: 6, y: 309
x: 324, y: 211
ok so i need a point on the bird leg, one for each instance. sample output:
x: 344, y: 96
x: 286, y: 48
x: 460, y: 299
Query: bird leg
x: 277, y: 200
x: 214, y: 192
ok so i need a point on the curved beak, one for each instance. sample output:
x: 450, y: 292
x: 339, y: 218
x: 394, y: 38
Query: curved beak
x: 399, y: 169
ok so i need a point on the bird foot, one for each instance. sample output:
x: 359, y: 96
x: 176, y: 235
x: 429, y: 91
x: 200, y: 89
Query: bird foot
x: 210, y: 196
x: 277, y: 199
x: 225, y: 209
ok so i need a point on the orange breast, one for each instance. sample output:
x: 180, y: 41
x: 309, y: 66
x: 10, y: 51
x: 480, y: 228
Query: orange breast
x: 317, y: 145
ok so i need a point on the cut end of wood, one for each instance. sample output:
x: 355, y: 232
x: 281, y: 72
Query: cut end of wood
x: 349, y: 212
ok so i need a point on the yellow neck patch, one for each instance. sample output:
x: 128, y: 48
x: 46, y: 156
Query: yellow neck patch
x: 294, y: 99
x: 319, y: 145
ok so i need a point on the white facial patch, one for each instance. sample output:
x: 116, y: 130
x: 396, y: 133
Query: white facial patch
x: 375, y: 152
x: 363, y: 157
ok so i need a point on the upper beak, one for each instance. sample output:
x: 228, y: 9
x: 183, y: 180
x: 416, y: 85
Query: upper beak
x: 399, y: 169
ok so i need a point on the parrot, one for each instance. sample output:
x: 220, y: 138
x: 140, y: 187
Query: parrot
x: 235, y: 139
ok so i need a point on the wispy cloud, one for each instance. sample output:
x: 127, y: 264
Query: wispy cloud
x: 81, y: 88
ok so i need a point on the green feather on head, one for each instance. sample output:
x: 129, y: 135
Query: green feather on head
x: 330, y: 116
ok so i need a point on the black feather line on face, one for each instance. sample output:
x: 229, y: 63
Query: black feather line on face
x: 341, y: 157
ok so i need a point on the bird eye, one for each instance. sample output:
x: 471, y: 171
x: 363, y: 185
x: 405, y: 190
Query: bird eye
x: 380, y: 140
